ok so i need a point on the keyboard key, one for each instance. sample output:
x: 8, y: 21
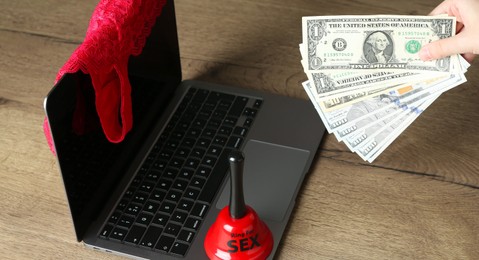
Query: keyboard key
x: 230, y: 121
x: 161, y: 141
x: 186, y: 236
x: 190, y: 93
x: 257, y: 103
x: 151, y: 207
x: 198, y: 152
x: 133, y: 209
x: 216, y: 96
x: 165, y: 154
x: 176, y: 135
x: 151, y: 236
x: 161, y: 219
x: 194, y: 133
x: 203, y: 171
x: 201, y: 95
x: 198, y: 182
x: 225, y: 130
x: 158, y: 195
x: 106, y: 231
x: 209, y: 133
x: 129, y: 193
x: 182, y: 152
x: 214, y: 123
x: 144, y: 219
x: 250, y: 112
x: 199, y: 210
x: 170, y: 173
x: 214, y: 150
x: 172, y: 229
x: 135, y: 234
x: 159, y: 165
x: 153, y: 176
x: 238, y: 106
x: 191, y: 194
x: 185, y: 205
x: 118, y: 234
x: 149, y: 161
x: 172, y: 144
x: 137, y: 180
x: 199, y: 123
x: 234, y: 142
x: 165, y: 243
x: 219, y: 114
x: 225, y: 104
x: 179, y: 217
x: 209, y: 161
x: 186, y: 173
x: 182, y: 126
x: 188, y: 142
x: 227, y: 97
x: 177, y: 162
x: 180, y: 184
x: 179, y: 249
x: 126, y: 221
x: 203, y: 143
x: 205, y: 113
x: 173, y: 196
x: 240, y: 131
x: 157, y: 147
x: 248, y: 122
x: 219, y: 141
x: 192, y: 223
x: 114, y: 217
x: 147, y: 187
x: 164, y: 184
x: 140, y: 197
x: 192, y: 163
x: 167, y: 207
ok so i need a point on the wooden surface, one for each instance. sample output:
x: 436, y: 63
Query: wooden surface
x: 418, y: 200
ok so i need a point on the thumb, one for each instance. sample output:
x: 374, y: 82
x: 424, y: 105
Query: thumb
x: 443, y: 48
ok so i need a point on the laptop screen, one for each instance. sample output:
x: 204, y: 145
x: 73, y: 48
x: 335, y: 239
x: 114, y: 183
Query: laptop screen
x: 92, y: 166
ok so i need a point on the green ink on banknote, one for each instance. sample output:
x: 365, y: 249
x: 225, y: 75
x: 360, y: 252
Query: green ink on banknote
x: 413, y: 46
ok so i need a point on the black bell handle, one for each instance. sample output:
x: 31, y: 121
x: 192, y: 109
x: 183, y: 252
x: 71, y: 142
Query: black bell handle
x: 237, y: 204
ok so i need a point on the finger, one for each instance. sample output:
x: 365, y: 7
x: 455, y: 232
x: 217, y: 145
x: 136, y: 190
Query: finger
x: 459, y: 27
x: 442, y: 8
x: 469, y: 57
x: 443, y: 48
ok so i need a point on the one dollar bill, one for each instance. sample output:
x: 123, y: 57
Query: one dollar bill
x: 374, y: 42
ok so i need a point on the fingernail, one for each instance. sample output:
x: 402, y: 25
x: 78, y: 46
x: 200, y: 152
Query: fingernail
x: 424, y: 54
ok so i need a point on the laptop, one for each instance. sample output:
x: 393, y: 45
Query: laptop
x: 156, y: 194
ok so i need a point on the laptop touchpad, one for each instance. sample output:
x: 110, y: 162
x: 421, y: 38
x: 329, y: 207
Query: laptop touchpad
x: 271, y: 176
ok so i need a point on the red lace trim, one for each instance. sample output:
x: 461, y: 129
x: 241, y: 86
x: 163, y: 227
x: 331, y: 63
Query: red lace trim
x: 117, y: 29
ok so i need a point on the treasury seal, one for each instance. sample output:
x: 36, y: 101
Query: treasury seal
x: 413, y: 46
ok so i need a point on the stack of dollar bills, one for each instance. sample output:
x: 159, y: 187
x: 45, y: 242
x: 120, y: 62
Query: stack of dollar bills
x: 365, y: 77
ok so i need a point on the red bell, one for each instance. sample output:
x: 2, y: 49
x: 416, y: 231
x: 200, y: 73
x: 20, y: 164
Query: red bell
x: 238, y: 233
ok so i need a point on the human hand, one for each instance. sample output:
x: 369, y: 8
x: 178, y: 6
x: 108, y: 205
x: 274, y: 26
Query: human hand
x: 466, y: 40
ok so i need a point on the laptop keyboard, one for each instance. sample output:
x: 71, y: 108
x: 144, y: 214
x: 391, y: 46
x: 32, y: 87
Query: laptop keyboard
x: 167, y: 201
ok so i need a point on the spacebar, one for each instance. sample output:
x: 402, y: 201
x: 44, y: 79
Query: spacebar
x: 216, y: 178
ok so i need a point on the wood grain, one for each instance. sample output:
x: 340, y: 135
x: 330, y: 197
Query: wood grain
x: 418, y: 200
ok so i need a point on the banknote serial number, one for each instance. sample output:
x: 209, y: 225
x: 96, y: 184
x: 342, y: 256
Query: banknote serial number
x: 413, y: 33
x: 338, y: 54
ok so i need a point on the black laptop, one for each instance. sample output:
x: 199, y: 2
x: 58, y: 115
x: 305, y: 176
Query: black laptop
x: 155, y: 195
